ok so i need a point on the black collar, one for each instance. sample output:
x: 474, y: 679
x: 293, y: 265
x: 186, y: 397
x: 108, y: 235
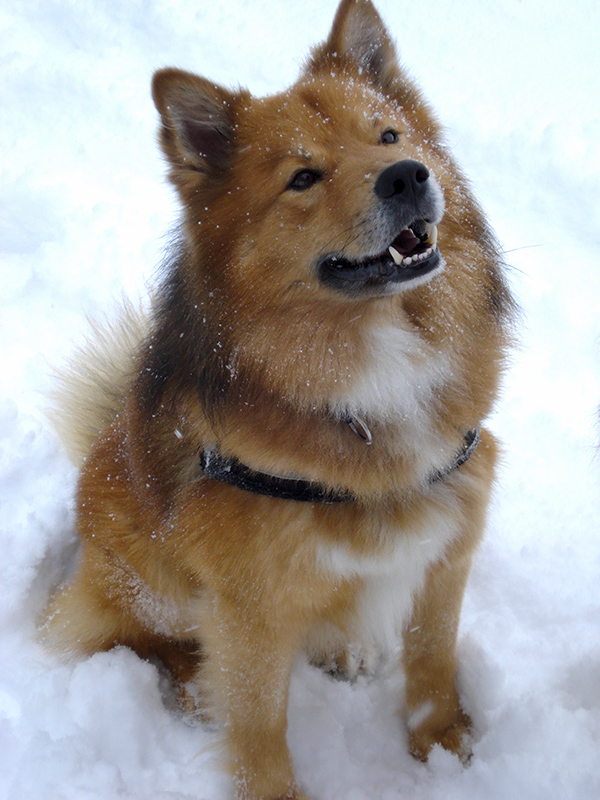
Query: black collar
x: 233, y: 472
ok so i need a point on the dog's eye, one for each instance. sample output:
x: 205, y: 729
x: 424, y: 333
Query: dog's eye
x: 389, y: 137
x: 304, y: 179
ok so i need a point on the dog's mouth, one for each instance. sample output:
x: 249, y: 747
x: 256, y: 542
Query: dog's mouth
x: 411, y: 255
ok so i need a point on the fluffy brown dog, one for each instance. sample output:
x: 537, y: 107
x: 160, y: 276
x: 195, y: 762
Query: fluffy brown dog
x: 297, y: 460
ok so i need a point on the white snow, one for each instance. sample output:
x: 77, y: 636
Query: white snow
x: 84, y: 210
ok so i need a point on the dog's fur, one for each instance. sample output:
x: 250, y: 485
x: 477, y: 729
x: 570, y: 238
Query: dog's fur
x: 255, y: 349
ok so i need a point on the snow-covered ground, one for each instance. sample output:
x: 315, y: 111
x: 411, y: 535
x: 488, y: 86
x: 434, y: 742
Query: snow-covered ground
x: 84, y: 211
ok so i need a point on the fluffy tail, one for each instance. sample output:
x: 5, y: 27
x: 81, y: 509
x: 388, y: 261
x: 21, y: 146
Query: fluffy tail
x: 90, y: 391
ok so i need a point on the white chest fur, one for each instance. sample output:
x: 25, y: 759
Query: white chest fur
x: 400, y: 377
x: 389, y: 577
x: 398, y: 387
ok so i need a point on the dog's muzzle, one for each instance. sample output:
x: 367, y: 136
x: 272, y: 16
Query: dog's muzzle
x: 413, y: 203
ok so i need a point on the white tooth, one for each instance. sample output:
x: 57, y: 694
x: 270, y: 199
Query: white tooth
x: 408, y: 262
x: 433, y: 234
x: 395, y: 255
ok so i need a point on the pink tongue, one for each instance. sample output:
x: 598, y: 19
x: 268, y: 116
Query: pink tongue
x: 405, y: 242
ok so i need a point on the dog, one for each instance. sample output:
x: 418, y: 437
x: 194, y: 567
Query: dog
x: 286, y: 454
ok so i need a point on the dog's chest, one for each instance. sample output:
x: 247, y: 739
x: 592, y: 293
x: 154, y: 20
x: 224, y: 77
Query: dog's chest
x: 390, y: 576
x: 399, y: 373
x: 397, y: 387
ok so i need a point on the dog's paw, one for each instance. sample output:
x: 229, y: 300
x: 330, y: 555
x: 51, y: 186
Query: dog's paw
x: 292, y: 794
x: 456, y: 738
x: 191, y: 703
x: 295, y: 794
x: 348, y: 663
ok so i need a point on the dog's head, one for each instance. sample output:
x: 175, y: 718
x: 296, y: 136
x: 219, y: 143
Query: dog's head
x: 329, y: 187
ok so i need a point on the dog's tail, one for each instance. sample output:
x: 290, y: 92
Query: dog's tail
x: 90, y: 390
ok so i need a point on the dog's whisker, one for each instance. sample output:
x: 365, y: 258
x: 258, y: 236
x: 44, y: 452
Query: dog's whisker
x: 523, y: 247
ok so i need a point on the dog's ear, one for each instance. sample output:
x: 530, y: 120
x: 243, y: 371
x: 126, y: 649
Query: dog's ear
x: 197, y: 120
x: 358, y: 36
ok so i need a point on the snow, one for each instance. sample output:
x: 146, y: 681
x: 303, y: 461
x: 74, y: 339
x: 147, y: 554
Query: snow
x: 85, y: 207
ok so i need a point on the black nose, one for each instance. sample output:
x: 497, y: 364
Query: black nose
x: 406, y: 180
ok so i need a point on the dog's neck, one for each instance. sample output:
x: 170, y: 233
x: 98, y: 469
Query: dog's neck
x: 234, y: 473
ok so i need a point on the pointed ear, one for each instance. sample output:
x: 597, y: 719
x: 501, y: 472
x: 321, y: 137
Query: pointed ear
x: 197, y: 120
x: 359, y: 36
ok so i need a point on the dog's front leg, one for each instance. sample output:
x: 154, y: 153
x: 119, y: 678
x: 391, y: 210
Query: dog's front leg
x: 250, y: 657
x: 433, y: 707
x: 434, y: 712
